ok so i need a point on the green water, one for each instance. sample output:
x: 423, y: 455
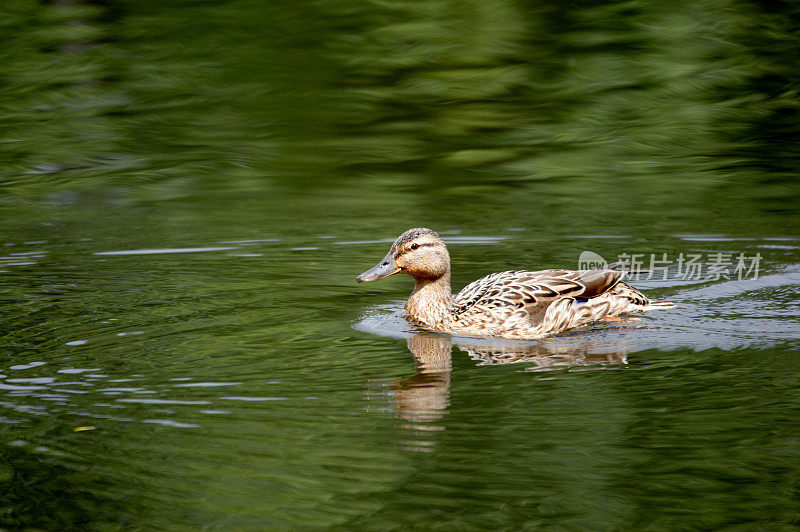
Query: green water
x: 188, y: 190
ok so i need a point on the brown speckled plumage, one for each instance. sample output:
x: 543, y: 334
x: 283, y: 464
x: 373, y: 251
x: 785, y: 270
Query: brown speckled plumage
x: 411, y: 235
x: 511, y: 304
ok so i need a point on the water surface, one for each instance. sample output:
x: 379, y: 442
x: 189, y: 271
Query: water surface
x: 188, y: 191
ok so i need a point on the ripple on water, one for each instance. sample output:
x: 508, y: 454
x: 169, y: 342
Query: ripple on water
x: 163, y: 251
x: 30, y: 365
x: 205, y: 384
x: 249, y: 398
x: 171, y: 423
x: 42, y: 395
x: 154, y: 401
x: 357, y: 242
x: 474, y: 239
x: 33, y: 380
x: 250, y: 241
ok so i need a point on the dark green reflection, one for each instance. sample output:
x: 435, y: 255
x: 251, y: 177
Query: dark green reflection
x: 228, y: 388
x: 442, y: 93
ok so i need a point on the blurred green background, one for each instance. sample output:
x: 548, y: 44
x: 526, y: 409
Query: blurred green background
x: 527, y: 98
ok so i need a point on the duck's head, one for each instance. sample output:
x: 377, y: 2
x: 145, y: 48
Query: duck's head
x: 418, y: 252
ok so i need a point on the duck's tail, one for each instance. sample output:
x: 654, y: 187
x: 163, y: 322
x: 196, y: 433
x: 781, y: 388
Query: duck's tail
x: 655, y: 305
x: 650, y: 305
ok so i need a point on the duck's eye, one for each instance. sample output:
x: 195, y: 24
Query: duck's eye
x: 414, y: 246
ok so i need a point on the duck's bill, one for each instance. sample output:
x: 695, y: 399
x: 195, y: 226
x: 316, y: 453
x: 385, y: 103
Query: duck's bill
x: 385, y: 268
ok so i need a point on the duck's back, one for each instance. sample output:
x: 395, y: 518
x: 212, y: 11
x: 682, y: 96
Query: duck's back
x: 521, y: 303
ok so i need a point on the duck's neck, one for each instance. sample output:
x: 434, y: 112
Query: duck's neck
x: 431, y: 302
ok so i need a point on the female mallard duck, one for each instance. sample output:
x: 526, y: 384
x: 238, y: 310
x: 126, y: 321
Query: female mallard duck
x: 513, y: 304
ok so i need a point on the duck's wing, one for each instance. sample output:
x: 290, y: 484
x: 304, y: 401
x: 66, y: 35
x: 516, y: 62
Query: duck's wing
x: 534, y: 291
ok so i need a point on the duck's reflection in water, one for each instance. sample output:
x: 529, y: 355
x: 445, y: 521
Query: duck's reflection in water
x: 425, y: 396
x: 421, y: 401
